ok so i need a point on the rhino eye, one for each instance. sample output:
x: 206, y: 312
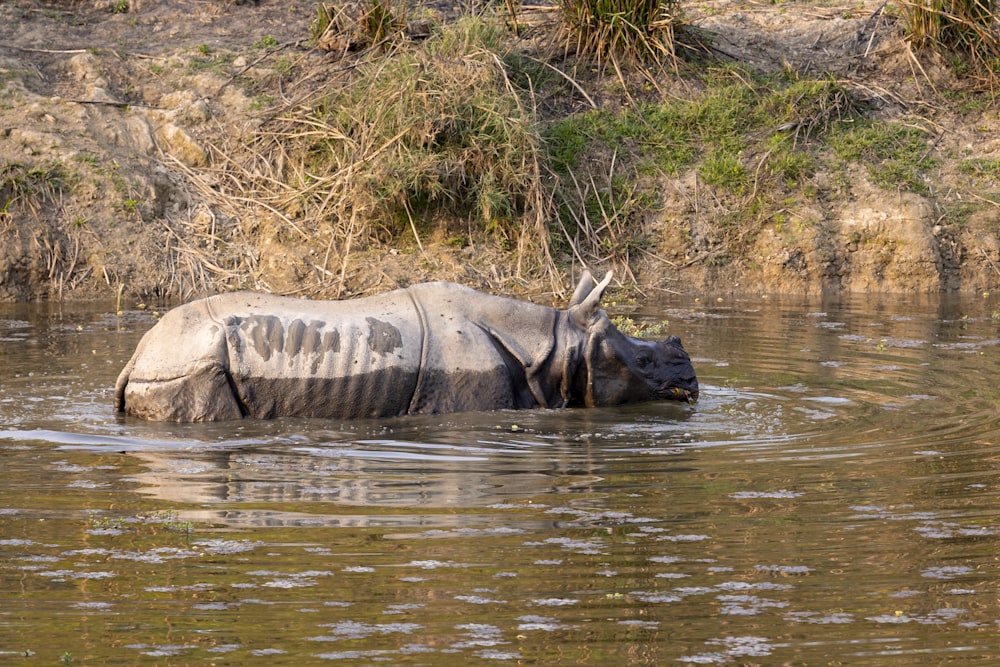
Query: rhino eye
x: 643, y: 359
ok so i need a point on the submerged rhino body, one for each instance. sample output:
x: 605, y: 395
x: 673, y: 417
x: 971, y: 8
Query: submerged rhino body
x: 429, y: 348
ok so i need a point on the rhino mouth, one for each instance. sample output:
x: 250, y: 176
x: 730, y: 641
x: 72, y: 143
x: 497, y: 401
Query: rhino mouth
x: 684, y: 395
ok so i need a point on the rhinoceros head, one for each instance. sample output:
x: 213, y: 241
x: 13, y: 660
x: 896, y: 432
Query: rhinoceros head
x: 622, y: 369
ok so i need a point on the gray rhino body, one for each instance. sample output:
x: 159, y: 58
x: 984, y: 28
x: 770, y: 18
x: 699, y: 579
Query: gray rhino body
x: 429, y: 348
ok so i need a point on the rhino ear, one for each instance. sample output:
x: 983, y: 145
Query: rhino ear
x: 584, y: 312
x: 583, y: 288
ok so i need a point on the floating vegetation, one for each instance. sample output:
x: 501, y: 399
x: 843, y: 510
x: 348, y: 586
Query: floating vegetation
x: 630, y: 327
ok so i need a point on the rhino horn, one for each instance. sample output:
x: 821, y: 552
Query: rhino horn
x: 584, y: 310
x: 583, y: 288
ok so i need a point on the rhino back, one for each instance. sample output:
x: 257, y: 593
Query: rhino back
x: 341, y: 359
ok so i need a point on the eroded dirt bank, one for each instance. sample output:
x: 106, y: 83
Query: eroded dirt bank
x: 111, y: 125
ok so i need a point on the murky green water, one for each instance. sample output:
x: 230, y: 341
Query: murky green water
x: 834, y: 498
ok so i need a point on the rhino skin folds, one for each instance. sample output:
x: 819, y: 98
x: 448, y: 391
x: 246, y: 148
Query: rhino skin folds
x: 429, y: 348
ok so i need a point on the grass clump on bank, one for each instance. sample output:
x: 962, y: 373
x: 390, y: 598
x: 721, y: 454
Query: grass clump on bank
x: 27, y: 189
x: 750, y: 141
x: 896, y: 156
x: 629, y: 30
x: 965, y: 31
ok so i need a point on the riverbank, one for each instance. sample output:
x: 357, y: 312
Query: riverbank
x: 132, y: 159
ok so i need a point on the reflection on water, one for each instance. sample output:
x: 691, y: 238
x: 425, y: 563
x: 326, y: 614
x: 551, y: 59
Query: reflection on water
x: 832, y: 498
x: 474, y: 460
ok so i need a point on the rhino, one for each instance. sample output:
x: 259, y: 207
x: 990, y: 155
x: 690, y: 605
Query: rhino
x: 428, y: 348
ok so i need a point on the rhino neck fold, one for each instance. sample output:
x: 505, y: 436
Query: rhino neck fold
x: 422, y: 369
x: 584, y: 378
x: 210, y: 312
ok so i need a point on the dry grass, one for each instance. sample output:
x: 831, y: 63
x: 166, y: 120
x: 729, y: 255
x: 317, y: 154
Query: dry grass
x: 401, y: 144
x: 27, y: 189
x: 350, y: 26
x: 965, y: 30
x: 629, y: 31
x: 601, y: 226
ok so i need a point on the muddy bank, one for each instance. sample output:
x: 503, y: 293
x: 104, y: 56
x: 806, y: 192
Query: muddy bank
x: 873, y: 242
x: 116, y: 128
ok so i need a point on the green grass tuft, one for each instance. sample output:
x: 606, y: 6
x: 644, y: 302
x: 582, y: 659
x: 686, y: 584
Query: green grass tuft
x: 896, y: 156
x: 752, y: 140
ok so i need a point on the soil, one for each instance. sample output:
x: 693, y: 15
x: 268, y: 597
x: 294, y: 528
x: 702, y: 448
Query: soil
x: 109, y: 121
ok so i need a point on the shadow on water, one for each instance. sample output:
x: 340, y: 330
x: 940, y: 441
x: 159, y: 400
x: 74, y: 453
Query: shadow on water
x: 832, y: 497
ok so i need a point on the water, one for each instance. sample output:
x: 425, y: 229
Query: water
x: 832, y: 499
